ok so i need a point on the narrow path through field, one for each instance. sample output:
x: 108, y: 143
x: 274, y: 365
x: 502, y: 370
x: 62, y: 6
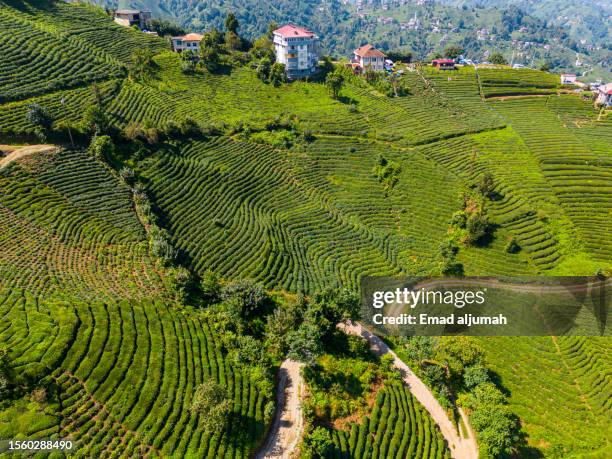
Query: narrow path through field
x: 461, y: 446
x: 20, y: 152
x: 287, y: 428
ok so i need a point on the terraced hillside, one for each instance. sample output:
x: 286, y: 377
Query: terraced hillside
x: 120, y: 378
x: 48, y: 46
x: 286, y: 190
x: 572, y: 374
x: 510, y: 82
x: 577, y: 171
x: 242, y: 99
x: 397, y: 427
x: 69, y: 226
x: 308, y: 217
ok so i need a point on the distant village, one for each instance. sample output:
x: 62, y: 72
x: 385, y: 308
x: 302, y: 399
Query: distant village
x: 297, y: 48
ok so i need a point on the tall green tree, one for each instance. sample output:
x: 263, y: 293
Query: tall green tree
x: 95, y: 120
x: 7, y: 376
x: 334, y: 81
x: 278, y: 74
x: 209, y: 51
x: 498, y: 59
x: 263, y: 69
x: 39, y: 116
x: 453, y: 51
x: 141, y: 64
x: 231, y: 23
x: 272, y: 26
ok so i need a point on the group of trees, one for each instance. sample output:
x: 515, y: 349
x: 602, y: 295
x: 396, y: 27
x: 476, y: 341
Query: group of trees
x: 94, y: 121
x: 301, y: 328
x: 272, y: 72
x: 470, y: 225
x: 454, y: 366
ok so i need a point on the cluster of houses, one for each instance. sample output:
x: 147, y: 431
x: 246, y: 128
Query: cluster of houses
x: 298, y: 49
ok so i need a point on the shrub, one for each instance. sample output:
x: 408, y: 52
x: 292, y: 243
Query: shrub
x: 127, y: 174
x: 305, y: 344
x: 39, y: 116
x: 248, y: 293
x: 212, y: 404
x: 318, y: 443
x: 162, y: 249
x: 512, y: 246
x: 475, y: 375
x: 101, y: 148
x: 210, y: 287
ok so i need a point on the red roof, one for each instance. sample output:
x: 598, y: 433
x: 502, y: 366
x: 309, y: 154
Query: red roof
x: 368, y: 51
x: 189, y: 37
x: 293, y: 31
x: 442, y: 61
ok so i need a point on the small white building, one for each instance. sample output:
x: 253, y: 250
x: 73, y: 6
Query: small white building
x: 297, y: 48
x: 368, y: 57
x: 128, y: 18
x: 604, y: 95
x: 568, y: 78
x: 190, y: 42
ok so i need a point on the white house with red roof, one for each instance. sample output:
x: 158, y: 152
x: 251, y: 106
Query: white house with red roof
x: 190, y: 42
x: 297, y: 48
x: 369, y: 57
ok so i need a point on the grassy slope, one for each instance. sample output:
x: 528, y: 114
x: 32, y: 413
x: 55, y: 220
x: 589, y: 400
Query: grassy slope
x: 290, y: 201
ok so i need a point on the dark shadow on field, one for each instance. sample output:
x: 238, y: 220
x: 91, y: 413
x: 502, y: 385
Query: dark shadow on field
x: 524, y: 451
x: 486, y: 240
x: 24, y: 6
x: 245, y: 431
x: 497, y: 380
x: 347, y: 100
x: 222, y: 69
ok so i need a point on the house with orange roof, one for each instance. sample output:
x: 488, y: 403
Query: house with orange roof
x: 190, y: 42
x: 369, y: 57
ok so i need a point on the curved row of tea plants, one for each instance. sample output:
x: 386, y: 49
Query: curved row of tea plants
x: 571, y: 373
x: 309, y: 216
x: 69, y: 226
x: 125, y: 374
x: 578, y: 174
x: 48, y: 46
x: 398, y: 426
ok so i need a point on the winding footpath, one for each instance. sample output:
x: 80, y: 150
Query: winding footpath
x: 461, y: 447
x: 20, y: 152
x: 288, y: 423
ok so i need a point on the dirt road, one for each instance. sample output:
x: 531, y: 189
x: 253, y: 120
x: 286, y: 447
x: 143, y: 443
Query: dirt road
x: 460, y: 447
x: 20, y: 152
x: 288, y: 423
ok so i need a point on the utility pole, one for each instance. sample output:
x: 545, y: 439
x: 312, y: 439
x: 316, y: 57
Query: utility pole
x: 68, y: 126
